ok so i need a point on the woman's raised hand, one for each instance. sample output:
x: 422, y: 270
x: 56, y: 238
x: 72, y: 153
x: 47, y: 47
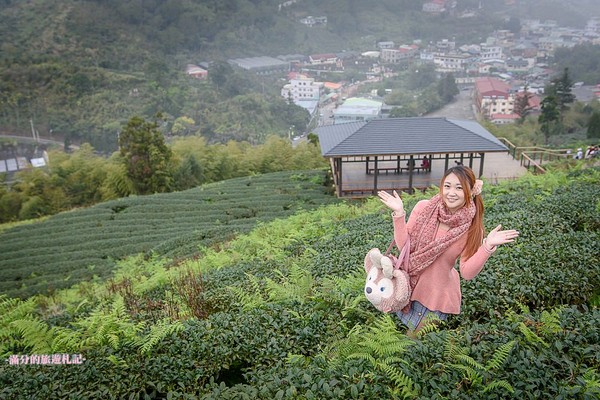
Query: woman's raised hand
x: 393, y: 201
x: 496, y: 237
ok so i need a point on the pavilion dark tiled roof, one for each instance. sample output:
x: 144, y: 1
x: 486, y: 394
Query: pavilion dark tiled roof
x: 406, y: 136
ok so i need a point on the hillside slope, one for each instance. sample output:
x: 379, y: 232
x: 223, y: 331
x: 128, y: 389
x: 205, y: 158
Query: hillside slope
x: 280, y: 313
x: 75, y: 246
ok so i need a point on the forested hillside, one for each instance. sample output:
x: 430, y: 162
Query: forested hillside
x: 80, y: 69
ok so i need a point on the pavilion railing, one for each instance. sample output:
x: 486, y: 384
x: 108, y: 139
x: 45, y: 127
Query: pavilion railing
x: 532, y: 157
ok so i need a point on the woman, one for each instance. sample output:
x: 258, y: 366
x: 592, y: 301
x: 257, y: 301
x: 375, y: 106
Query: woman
x: 442, y: 229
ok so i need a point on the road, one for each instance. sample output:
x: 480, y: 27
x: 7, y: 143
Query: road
x: 32, y: 140
x: 460, y: 108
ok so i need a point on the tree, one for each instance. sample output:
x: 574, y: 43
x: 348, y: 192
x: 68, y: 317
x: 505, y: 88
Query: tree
x: 593, y: 128
x: 189, y: 174
x: 447, y: 88
x: 146, y: 156
x: 522, y: 104
x: 550, y: 117
x: 560, y: 87
x: 513, y: 24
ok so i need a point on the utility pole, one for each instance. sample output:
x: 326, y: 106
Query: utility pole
x: 35, y: 135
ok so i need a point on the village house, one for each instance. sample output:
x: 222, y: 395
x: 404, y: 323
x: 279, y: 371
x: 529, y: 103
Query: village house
x: 196, y: 72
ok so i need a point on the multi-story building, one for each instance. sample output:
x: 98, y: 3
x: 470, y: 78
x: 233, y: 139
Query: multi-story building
x: 302, y: 89
x: 490, y: 52
x: 451, y: 62
x: 403, y: 53
x: 492, y: 96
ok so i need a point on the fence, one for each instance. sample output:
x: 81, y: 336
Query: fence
x: 532, y: 157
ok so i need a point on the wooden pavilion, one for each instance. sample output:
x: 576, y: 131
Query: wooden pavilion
x: 389, y: 153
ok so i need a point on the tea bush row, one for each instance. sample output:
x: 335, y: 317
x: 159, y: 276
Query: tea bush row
x: 173, y: 224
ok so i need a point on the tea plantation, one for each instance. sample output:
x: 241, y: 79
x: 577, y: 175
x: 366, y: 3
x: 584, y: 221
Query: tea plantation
x: 279, y: 312
x: 77, y: 245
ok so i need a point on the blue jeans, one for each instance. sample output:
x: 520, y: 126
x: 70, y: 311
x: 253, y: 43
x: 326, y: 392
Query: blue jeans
x: 417, y: 312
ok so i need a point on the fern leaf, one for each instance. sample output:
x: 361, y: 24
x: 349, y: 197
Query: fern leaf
x: 500, y: 356
x: 530, y: 335
x: 157, y: 332
x: 469, y: 373
x: 399, y: 378
x: 524, y: 309
x: 470, y: 361
x: 363, y: 356
x: 501, y: 384
x: 35, y: 333
x: 551, y: 322
x: 66, y: 340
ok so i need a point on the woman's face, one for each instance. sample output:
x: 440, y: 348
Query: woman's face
x: 452, y: 193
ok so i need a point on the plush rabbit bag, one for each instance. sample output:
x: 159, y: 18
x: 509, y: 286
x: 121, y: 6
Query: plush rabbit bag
x: 388, y: 285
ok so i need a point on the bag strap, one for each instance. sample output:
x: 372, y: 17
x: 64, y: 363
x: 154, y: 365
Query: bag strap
x: 404, y: 253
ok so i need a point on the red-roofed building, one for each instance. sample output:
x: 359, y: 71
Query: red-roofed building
x: 196, y: 72
x: 492, y: 96
x: 496, y: 102
x: 499, y: 119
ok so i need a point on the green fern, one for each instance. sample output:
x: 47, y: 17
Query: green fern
x: 157, y: 332
x: 296, y: 285
x: 500, y: 356
x: 19, y: 329
x: 500, y: 384
x: 344, y: 292
x: 66, y: 340
x: 530, y: 336
x: 470, y: 361
x: 591, y: 381
x: 473, y: 372
x: 35, y: 334
x: 249, y: 298
x: 469, y: 374
x: 381, y: 345
x: 431, y: 324
x: 108, y: 327
x: 550, y: 322
x: 400, y: 379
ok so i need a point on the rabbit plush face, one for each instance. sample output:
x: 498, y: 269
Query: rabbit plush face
x: 385, y: 287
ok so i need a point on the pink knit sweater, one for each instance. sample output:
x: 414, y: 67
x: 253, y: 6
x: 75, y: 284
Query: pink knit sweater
x: 438, y: 287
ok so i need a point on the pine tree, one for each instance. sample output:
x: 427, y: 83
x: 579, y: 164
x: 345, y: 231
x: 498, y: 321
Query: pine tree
x: 560, y: 87
x: 550, y: 117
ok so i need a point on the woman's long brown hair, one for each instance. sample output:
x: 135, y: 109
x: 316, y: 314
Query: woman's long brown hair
x: 475, y: 233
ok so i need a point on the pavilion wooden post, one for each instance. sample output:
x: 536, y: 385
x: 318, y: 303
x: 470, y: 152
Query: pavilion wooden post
x: 411, y: 167
x: 376, y: 170
x: 481, y: 164
x: 446, y: 163
x: 367, y: 167
x: 338, y: 169
x: 471, y: 160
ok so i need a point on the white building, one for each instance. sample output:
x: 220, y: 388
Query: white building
x: 450, y: 62
x: 302, y: 89
x: 490, y: 52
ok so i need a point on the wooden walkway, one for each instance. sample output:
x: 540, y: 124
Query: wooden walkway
x: 356, y: 183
